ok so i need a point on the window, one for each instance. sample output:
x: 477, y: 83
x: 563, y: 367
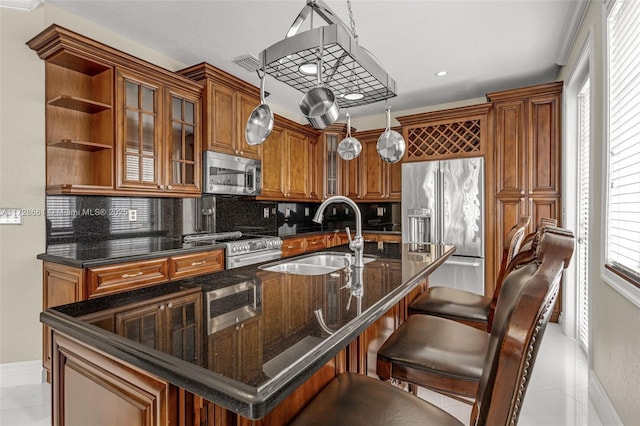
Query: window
x: 623, y: 197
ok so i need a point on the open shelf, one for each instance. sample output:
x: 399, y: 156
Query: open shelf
x: 79, y: 104
x: 79, y: 145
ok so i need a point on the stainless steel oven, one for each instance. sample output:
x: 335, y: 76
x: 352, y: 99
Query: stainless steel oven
x: 230, y: 175
x: 232, y: 304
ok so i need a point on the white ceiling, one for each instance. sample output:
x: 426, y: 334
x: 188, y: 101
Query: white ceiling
x: 484, y: 45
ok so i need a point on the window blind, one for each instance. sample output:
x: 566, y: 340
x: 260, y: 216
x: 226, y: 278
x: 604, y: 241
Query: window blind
x: 584, y: 130
x: 623, y: 199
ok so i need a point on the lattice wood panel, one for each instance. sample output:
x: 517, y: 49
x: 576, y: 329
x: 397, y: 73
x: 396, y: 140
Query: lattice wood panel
x: 462, y: 137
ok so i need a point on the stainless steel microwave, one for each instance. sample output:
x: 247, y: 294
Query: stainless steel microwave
x: 230, y: 175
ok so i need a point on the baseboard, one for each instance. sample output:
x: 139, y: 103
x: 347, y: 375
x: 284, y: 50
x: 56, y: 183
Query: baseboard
x: 602, y: 403
x: 20, y: 373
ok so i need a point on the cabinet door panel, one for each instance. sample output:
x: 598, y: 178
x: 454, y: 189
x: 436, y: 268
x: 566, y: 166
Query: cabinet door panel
x: 139, y: 134
x: 273, y: 156
x: 373, y: 169
x: 351, y: 178
x: 183, y: 145
x: 250, y: 350
x: 544, y: 145
x: 540, y: 207
x: 246, y: 105
x: 298, y: 161
x: 90, y: 388
x: 223, y: 128
x: 273, y: 293
x: 510, y: 148
x: 508, y: 211
x: 394, y: 181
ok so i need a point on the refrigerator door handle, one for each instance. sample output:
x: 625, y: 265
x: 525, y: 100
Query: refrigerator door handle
x: 460, y: 263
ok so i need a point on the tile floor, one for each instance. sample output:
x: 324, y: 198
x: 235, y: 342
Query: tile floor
x: 557, y: 396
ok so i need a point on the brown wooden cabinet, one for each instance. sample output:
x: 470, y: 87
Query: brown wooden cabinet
x: 158, y: 136
x: 368, y: 177
x: 92, y: 388
x: 228, y: 103
x: 527, y: 158
x: 290, y: 163
x: 61, y: 285
x: 115, y: 123
x: 527, y: 149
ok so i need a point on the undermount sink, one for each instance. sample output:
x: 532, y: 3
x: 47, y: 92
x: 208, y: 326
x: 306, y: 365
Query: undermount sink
x: 313, y: 264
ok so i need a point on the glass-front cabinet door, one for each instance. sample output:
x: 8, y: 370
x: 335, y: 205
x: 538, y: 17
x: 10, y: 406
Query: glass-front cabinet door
x: 139, y: 133
x: 183, y: 144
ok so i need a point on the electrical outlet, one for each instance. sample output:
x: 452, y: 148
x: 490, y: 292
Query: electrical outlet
x: 306, y: 211
x: 265, y: 213
x: 287, y: 212
x: 334, y: 211
x: 133, y: 215
x: 380, y: 211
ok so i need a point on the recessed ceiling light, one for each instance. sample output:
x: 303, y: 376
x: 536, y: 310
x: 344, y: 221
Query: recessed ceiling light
x: 353, y: 96
x: 441, y: 73
x: 308, y: 68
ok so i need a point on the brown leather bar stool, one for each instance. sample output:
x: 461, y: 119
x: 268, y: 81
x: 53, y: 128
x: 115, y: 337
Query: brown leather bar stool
x: 466, y: 307
x: 445, y: 355
x: 521, y: 318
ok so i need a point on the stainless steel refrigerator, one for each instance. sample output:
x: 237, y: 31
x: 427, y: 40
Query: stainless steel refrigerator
x: 443, y: 202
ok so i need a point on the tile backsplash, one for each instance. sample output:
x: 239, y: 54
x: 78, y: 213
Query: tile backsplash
x: 95, y: 218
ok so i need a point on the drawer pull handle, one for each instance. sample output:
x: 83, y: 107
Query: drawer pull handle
x: 137, y: 274
x: 202, y: 262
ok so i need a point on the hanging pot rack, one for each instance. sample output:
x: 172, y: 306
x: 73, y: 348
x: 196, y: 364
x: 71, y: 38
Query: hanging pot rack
x: 346, y: 63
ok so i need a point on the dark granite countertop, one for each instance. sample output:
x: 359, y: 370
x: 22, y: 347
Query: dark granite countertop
x: 98, y: 253
x: 106, y: 252
x: 288, y: 343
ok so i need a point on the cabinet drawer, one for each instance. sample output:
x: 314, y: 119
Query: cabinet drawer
x: 315, y: 243
x: 293, y: 247
x: 190, y: 265
x: 126, y: 276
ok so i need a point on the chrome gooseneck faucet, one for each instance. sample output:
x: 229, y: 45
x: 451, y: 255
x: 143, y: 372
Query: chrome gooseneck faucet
x: 357, y: 243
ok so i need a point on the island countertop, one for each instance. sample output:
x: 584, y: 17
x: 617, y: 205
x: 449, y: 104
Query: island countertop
x: 294, y: 325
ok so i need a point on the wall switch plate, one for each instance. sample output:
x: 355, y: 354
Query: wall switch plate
x: 133, y: 215
x: 265, y: 213
x: 334, y: 211
x: 306, y: 211
x: 287, y: 212
x: 380, y: 211
x: 10, y: 216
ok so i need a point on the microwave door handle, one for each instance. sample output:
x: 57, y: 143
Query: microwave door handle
x: 252, y: 171
x: 255, y: 297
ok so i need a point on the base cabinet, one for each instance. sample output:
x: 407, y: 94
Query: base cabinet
x: 90, y: 388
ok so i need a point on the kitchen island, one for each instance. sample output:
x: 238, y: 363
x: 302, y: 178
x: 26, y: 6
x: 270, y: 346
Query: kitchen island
x: 243, y: 346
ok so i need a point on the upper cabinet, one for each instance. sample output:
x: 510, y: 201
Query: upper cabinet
x: 527, y: 151
x: 228, y: 103
x: 368, y: 177
x: 290, y: 162
x: 117, y: 124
